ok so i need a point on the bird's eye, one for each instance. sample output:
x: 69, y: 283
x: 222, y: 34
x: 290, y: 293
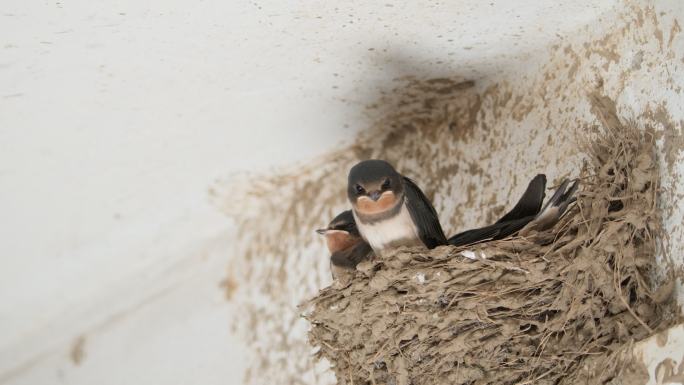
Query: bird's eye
x: 385, y: 184
x: 359, y: 189
x: 350, y: 228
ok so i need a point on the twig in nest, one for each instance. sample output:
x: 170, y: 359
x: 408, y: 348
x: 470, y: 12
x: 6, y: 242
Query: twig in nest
x: 618, y: 289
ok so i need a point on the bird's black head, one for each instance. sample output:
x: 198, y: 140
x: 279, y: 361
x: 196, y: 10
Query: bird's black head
x: 344, y: 221
x: 374, y: 187
x: 341, y: 233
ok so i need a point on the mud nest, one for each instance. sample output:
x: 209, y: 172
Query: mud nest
x: 524, y: 310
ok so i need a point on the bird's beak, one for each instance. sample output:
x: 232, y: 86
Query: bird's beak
x: 375, y: 195
x: 322, y: 231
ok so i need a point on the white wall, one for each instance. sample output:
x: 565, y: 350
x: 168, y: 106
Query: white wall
x: 117, y: 118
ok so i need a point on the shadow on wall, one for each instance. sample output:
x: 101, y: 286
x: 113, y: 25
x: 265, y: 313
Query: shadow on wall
x: 470, y: 146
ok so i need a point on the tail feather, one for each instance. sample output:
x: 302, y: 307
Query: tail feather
x: 520, y: 215
x: 555, y: 208
x: 527, y: 215
x: 530, y: 202
x: 569, y: 197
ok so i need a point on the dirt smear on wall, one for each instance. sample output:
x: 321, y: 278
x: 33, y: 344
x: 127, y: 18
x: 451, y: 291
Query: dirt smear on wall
x: 78, y: 353
x: 471, y: 146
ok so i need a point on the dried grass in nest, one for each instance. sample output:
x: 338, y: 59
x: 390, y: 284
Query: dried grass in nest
x: 527, y: 310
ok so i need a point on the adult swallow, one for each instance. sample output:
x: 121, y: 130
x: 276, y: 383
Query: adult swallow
x: 346, y: 246
x: 527, y: 215
x: 390, y: 209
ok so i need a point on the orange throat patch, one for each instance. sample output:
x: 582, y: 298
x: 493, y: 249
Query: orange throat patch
x: 367, y: 206
x: 339, y: 240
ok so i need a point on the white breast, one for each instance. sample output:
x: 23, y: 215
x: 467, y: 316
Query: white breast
x: 396, y: 231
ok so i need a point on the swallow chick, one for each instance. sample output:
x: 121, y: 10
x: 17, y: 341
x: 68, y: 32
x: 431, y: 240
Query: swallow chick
x: 390, y: 210
x: 346, y: 246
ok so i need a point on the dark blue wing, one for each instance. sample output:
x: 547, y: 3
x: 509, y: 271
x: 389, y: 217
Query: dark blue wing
x: 351, y: 256
x: 498, y: 230
x: 424, y: 216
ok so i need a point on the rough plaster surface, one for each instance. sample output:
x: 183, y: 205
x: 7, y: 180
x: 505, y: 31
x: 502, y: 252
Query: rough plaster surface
x: 471, y: 146
x: 663, y: 356
x: 115, y: 116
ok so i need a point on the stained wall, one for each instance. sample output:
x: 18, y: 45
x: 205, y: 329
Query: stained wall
x: 472, y: 145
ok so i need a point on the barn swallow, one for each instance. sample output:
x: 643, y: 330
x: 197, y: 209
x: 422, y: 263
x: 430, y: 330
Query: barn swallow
x: 346, y: 246
x: 390, y: 209
x: 526, y: 216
